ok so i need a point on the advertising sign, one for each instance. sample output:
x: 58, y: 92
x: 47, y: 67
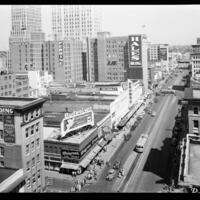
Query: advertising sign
x: 163, y: 53
x: 77, y: 120
x: 9, y: 128
x: 135, y: 49
x: 60, y: 54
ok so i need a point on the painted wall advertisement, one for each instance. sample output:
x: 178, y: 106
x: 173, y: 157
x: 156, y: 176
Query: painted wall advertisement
x: 135, y: 49
x: 163, y: 53
x: 77, y: 120
x: 7, y: 117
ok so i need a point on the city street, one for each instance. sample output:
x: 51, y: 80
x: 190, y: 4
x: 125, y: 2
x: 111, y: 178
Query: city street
x: 152, y: 170
x: 147, y: 124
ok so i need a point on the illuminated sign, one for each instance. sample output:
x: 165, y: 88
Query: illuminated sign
x: 60, y: 54
x: 163, y: 53
x: 6, y: 110
x: 77, y: 120
x: 135, y: 49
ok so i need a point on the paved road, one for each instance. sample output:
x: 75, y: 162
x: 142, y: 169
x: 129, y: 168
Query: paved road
x: 124, y: 151
x: 152, y: 169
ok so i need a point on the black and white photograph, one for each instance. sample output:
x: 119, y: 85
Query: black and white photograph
x: 99, y: 98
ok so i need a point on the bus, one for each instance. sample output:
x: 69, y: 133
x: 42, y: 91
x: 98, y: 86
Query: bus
x: 141, y: 143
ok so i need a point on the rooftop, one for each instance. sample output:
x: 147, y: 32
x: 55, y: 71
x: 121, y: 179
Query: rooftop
x: 192, y: 94
x: 51, y: 133
x: 5, y: 173
x: 194, y: 161
x: 19, y: 103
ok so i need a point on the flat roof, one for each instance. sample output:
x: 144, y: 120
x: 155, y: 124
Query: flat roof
x: 80, y: 137
x: 49, y: 132
x: 5, y: 173
x: 19, y: 103
x: 194, y: 161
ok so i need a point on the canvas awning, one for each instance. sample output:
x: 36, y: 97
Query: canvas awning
x: 70, y: 166
x: 102, y: 143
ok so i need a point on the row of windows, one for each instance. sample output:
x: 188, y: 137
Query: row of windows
x: 31, y: 147
x: 32, y: 163
x: 33, y: 179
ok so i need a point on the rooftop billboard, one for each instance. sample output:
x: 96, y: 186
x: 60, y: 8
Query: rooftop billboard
x: 77, y: 120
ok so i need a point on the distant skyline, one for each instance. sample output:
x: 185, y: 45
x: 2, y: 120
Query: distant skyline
x: 173, y: 24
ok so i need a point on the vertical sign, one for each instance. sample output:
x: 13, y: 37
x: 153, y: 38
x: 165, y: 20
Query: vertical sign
x: 7, y: 116
x: 60, y: 52
x: 135, y: 49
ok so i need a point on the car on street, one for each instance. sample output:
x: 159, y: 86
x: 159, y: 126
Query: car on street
x: 116, y: 164
x: 111, y: 175
x: 153, y: 114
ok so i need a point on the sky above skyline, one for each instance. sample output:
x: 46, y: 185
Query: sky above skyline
x: 173, y: 24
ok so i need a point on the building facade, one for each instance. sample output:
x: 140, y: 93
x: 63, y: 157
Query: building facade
x: 21, y: 139
x: 26, y: 38
x: 75, y: 21
x: 138, y: 59
x: 64, y: 59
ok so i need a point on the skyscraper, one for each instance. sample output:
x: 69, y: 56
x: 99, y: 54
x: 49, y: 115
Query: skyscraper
x: 26, y: 19
x: 26, y: 38
x: 75, y: 21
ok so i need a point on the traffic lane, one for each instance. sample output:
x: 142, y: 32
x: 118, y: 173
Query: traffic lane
x: 130, y: 186
x: 155, y: 172
x: 123, y: 152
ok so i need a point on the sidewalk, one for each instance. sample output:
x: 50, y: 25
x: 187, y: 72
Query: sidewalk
x: 69, y: 181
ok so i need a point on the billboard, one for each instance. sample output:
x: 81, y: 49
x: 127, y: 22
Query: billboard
x: 9, y: 128
x: 135, y: 50
x: 77, y: 120
x: 60, y: 52
x: 163, y: 53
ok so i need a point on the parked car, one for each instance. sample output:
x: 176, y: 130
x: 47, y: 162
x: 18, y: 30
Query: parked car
x: 116, y: 165
x: 153, y: 114
x: 111, y: 175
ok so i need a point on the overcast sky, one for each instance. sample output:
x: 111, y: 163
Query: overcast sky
x: 173, y: 24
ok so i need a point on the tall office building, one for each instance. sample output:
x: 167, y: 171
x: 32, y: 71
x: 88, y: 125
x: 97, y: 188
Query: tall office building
x: 26, y: 19
x: 26, y: 38
x: 21, y: 139
x: 75, y: 21
x: 64, y: 59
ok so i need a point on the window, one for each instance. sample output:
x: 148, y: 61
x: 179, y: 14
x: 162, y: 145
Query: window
x: 195, y: 110
x: 28, y: 166
x: 1, y: 134
x: 1, y: 151
x: 28, y: 183
x: 32, y: 145
x: 38, y: 158
x: 38, y: 142
x: 37, y: 127
x: 26, y: 132
x: 38, y: 174
x: 1, y: 164
x: 27, y: 149
x: 196, y: 124
x: 32, y: 129
x: 33, y: 162
x: 33, y: 179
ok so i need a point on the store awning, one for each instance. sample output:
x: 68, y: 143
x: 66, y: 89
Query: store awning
x: 70, y: 166
x: 85, y: 162
x: 96, y: 149
x: 102, y: 143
